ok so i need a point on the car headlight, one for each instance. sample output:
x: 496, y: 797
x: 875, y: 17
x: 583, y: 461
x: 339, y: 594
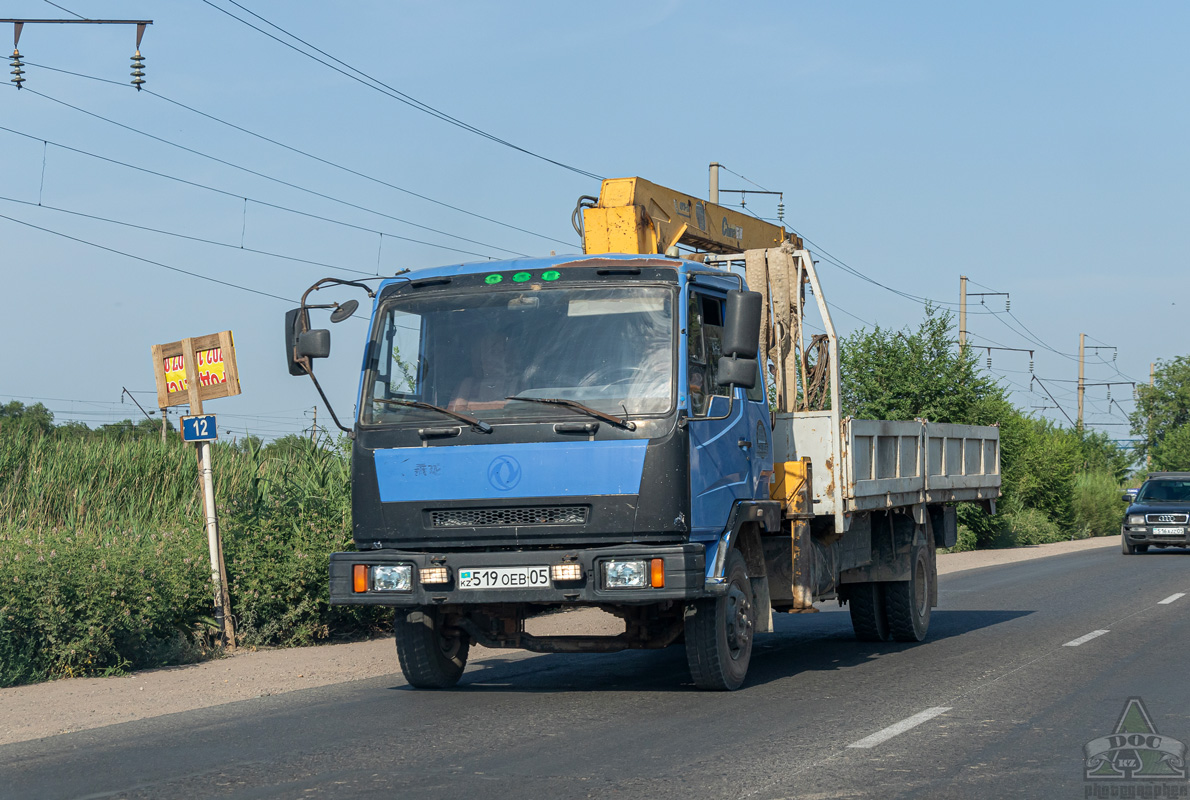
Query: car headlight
x: 625, y: 574
x: 1136, y: 519
x: 393, y: 579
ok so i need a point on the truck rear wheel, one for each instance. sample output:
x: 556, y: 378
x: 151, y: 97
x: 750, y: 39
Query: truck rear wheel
x: 869, y: 620
x: 719, y: 632
x: 907, y: 603
x: 431, y: 657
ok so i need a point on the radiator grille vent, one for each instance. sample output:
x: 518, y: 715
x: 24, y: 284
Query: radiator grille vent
x: 492, y: 517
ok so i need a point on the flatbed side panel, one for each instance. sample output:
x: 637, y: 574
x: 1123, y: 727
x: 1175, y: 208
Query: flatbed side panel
x: 961, y: 457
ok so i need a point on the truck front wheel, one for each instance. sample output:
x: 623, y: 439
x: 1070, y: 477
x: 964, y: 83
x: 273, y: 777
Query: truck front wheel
x: 719, y: 632
x: 432, y: 656
x: 907, y: 603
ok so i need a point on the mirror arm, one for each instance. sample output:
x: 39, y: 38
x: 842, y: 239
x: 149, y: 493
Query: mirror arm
x: 327, y: 402
x: 730, y: 404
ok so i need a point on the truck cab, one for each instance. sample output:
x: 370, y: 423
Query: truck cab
x: 558, y: 432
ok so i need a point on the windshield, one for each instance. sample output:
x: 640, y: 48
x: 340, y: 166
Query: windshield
x: 608, y: 348
x: 1164, y: 492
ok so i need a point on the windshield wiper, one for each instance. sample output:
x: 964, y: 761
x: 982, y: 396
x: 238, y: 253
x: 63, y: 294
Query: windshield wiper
x: 476, y: 424
x: 627, y: 425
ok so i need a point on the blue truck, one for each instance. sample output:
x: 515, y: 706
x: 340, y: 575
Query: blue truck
x: 598, y: 430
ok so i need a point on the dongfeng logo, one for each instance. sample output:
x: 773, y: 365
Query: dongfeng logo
x: 504, y: 473
x: 1135, y: 751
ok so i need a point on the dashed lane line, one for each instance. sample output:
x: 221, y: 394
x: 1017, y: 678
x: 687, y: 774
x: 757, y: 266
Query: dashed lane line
x: 1171, y: 598
x: 895, y: 730
x: 1085, y: 639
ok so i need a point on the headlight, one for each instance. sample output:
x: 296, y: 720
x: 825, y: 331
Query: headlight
x: 1136, y: 519
x: 625, y: 574
x: 393, y: 579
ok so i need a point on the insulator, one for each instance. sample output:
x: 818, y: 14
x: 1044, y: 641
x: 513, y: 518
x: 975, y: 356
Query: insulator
x: 1007, y: 304
x: 781, y: 211
x: 1030, y: 366
x: 1114, y: 353
x: 138, y: 73
x: 1109, y: 394
x: 989, y: 361
x: 17, y: 73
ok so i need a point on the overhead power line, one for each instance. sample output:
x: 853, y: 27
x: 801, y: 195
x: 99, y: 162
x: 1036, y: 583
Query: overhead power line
x: 309, y: 155
x: 380, y: 86
x: 149, y: 260
x: 267, y: 177
x: 237, y: 196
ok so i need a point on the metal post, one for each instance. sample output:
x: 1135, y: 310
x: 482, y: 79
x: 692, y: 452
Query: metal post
x: 164, y: 425
x: 714, y: 194
x: 218, y: 569
x: 962, y: 311
x: 1148, y: 428
x: 1082, y: 347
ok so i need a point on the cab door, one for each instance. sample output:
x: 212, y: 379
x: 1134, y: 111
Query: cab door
x: 727, y: 462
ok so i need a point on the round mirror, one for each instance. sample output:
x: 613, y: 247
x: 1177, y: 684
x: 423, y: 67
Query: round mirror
x: 344, y: 311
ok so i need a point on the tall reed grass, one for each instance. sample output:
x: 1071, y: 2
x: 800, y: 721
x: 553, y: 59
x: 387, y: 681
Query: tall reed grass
x: 103, y: 557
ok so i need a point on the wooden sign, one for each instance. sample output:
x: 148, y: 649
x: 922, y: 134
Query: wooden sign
x: 214, y: 357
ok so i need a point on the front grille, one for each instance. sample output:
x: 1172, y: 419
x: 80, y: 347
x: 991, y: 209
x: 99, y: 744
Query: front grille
x: 492, y: 517
x: 1166, y: 519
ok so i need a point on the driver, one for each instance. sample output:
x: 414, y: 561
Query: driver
x: 488, y: 382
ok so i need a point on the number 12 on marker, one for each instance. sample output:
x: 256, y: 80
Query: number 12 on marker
x: 200, y: 428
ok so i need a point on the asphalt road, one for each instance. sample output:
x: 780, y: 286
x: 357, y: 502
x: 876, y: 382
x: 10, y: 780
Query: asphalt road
x: 1004, y: 702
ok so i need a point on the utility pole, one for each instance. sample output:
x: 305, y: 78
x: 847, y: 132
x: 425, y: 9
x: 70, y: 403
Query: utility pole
x: 314, y: 427
x: 714, y: 194
x: 1082, y: 347
x: 962, y: 311
x: 164, y: 425
x: 1148, y: 426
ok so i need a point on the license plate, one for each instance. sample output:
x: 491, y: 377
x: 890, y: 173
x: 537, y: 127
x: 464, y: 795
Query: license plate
x: 505, y: 578
x: 1169, y: 531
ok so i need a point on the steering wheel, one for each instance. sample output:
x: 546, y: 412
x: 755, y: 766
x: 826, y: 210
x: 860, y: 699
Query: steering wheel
x: 612, y: 376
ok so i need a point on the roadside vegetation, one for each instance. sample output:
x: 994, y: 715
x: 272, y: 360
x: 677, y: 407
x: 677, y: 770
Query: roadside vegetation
x: 104, y: 563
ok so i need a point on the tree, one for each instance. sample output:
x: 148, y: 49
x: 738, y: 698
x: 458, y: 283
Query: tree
x: 1163, y: 413
x: 35, y: 415
x: 906, y: 374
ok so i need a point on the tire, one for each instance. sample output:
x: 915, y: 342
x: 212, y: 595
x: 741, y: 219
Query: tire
x: 869, y: 619
x: 430, y: 658
x: 1130, y: 549
x: 719, y: 632
x: 907, y: 603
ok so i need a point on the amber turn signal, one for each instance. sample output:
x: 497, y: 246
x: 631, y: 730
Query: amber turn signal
x: 657, y: 573
x: 359, y: 577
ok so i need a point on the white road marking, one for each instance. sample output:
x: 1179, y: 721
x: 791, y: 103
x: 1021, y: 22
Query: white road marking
x: 1085, y: 639
x: 1171, y: 598
x: 900, y: 727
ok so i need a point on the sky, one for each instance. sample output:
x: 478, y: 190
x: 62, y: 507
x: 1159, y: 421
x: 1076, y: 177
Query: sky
x: 1038, y: 149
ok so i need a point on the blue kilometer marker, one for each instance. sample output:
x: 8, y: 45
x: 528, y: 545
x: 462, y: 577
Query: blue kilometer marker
x: 199, y: 428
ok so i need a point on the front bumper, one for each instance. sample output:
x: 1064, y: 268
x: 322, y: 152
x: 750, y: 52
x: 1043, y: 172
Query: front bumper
x: 1143, y: 534
x: 685, y: 570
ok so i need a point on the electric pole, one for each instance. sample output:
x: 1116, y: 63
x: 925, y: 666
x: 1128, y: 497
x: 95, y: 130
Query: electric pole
x: 1082, y: 341
x: 1148, y: 427
x: 314, y: 427
x: 714, y: 194
x: 962, y: 311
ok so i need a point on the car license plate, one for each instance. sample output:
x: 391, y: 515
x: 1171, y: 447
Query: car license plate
x: 505, y: 578
x: 1169, y: 531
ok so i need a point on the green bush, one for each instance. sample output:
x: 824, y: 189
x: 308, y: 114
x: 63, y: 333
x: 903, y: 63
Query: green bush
x: 1098, y: 509
x: 104, y: 563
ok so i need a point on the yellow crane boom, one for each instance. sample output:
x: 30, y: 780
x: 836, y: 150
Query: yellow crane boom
x: 633, y: 215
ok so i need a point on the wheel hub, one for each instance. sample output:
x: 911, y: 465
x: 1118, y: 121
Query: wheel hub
x: 739, y: 621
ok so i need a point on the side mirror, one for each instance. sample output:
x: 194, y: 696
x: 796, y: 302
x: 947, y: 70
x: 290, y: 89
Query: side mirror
x: 1126, y: 497
x: 314, y: 344
x: 292, y: 322
x: 741, y: 332
x: 735, y: 371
